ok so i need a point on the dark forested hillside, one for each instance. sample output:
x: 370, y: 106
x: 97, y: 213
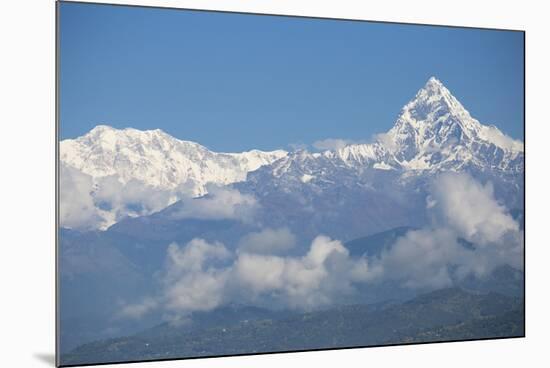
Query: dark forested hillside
x: 443, y: 315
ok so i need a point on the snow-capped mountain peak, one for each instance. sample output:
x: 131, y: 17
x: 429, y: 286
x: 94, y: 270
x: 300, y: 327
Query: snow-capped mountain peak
x: 115, y: 173
x: 433, y: 132
x: 157, y: 159
x: 434, y: 118
x: 432, y: 100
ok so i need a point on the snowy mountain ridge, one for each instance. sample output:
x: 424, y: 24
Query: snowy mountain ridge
x: 433, y: 132
x: 109, y: 174
x: 158, y: 160
x: 117, y: 173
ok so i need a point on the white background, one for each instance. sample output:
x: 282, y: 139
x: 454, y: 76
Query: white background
x: 27, y: 181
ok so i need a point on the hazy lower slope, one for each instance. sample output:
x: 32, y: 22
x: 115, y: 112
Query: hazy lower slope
x: 448, y: 314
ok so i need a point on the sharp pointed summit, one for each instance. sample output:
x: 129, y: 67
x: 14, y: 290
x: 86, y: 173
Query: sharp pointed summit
x: 431, y: 100
x: 433, y: 84
x: 433, y: 133
x: 435, y: 121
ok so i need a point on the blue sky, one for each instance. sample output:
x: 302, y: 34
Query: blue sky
x: 234, y: 82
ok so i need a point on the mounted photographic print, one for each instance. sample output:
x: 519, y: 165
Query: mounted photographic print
x: 233, y: 184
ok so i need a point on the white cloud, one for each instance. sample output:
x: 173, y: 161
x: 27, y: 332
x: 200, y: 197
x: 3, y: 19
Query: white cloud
x: 194, y: 255
x: 192, y: 280
x: 219, y: 203
x: 386, y: 140
x: 76, y: 204
x: 298, y: 146
x: 434, y: 256
x: 86, y: 204
x: 200, y: 291
x: 494, y: 135
x: 133, y: 198
x: 422, y: 259
x: 259, y: 272
x: 310, y: 281
x: 201, y: 275
x: 332, y: 143
x: 136, y: 311
x: 336, y: 143
x: 470, y: 209
x: 268, y: 241
x: 132, y: 194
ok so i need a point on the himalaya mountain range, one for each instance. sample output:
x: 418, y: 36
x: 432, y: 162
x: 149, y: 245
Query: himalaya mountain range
x: 433, y: 133
x: 158, y: 231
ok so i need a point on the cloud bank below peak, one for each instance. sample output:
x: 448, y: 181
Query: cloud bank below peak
x: 203, y: 275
